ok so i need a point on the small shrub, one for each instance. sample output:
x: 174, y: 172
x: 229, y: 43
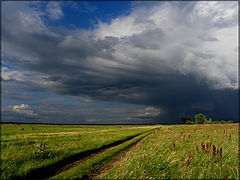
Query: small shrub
x: 200, y: 118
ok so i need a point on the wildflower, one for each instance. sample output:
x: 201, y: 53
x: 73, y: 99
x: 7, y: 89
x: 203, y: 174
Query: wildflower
x: 189, y: 154
x: 187, y: 163
x: 214, y: 151
x: 225, y: 176
x: 220, y: 152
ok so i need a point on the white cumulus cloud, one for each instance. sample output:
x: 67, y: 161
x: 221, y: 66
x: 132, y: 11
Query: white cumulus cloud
x: 24, y: 109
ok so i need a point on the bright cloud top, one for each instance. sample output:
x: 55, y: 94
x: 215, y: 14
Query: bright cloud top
x: 23, y: 109
x: 200, y: 41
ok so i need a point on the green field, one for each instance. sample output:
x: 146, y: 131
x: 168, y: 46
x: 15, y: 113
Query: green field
x: 119, y: 151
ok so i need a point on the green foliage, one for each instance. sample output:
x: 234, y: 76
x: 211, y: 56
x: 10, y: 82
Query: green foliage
x: 200, y: 118
x: 222, y: 122
x: 186, y: 120
x: 189, y: 122
x: 210, y: 121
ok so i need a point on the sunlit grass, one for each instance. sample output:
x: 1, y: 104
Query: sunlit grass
x: 25, y: 150
x: 164, y: 154
x: 84, y: 169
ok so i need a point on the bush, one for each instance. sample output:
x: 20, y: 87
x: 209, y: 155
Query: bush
x: 210, y: 121
x: 186, y: 120
x: 200, y: 118
x: 189, y: 122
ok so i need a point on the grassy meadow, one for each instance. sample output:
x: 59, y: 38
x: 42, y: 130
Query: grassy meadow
x: 33, y: 149
x: 119, y: 151
x: 182, y: 152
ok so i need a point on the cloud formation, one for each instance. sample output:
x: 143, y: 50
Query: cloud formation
x: 176, y: 56
x: 54, y: 10
x: 23, y: 109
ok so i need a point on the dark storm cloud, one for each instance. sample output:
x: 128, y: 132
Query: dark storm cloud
x: 156, y: 56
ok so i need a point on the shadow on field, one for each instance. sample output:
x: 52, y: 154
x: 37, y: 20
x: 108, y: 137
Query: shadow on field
x: 51, y: 170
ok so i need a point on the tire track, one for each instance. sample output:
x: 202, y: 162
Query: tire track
x: 71, y: 161
x: 101, y: 173
x: 96, y: 155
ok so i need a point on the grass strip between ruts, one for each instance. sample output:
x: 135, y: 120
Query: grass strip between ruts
x: 85, y: 169
x: 49, y: 170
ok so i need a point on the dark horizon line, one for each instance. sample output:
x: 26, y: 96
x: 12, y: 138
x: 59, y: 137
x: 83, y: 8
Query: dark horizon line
x: 79, y: 123
x: 108, y: 124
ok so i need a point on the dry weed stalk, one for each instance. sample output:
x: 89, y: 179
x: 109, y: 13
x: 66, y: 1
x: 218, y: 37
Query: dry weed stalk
x: 188, y: 160
x: 214, y: 151
x: 220, y: 152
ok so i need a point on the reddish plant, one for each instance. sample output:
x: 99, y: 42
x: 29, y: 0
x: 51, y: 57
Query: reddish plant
x: 174, y: 145
x: 189, y: 154
x: 225, y: 176
x: 230, y: 170
x: 207, y: 145
x: 220, y: 152
x: 187, y: 163
x: 214, y: 151
x: 197, y: 148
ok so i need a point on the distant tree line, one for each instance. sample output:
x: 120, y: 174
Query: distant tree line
x: 201, y: 119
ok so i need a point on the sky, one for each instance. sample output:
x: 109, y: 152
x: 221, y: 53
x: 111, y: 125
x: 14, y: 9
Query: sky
x: 129, y: 62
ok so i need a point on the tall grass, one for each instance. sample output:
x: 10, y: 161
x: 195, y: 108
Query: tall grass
x: 173, y: 152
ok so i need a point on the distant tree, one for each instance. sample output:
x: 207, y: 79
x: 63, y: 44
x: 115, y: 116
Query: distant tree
x: 186, y: 119
x: 189, y: 122
x: 206, y: 121
x: 210, y: 121
x: 200, y: 118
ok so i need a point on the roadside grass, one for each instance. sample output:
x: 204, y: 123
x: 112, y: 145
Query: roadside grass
x: 85, y: 169
x: 183, y: 152
x: 24, y: 152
